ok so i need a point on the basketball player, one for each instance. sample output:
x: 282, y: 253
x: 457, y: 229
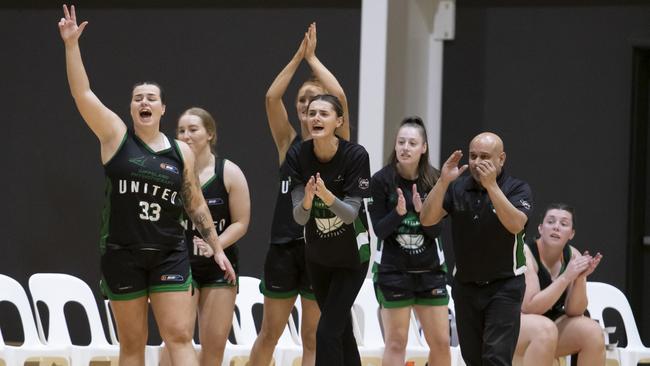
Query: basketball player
x: 148, y: 175
x: 410, y: 269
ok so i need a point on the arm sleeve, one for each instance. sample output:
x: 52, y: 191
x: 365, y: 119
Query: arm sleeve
x: 385, y: 218
x: 347, y: 210
x: 299, y: 213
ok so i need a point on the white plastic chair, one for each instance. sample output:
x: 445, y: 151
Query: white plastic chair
x: 151, y: 352
x: 55, y: 290
x: 244, y: 330
x: 602, y: 296
x: 32, y: 348
x: 366, y: 327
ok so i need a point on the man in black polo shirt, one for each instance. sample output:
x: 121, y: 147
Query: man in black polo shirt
x: 488, y: 211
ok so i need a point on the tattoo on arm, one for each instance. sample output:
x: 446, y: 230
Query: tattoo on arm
x: 196, y: 209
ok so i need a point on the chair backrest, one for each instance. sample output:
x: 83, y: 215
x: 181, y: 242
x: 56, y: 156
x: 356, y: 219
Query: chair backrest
x: 11, y: 291
x: 366, y: 310
x: 602, y: 296
x: 249, y: 294
x: 55, y: 290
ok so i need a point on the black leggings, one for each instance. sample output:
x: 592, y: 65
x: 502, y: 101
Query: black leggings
x: 335, y: 290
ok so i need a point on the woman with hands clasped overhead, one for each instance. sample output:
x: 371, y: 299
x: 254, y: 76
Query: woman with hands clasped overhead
x: 149, y: 178
x: 552, y: 320
x: 285, y: 276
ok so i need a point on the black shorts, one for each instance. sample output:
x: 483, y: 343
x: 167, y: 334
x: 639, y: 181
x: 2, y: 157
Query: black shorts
x: 131, y: 273
x: 206, y: 272
x: 285, y: 274
x: 401, y: 289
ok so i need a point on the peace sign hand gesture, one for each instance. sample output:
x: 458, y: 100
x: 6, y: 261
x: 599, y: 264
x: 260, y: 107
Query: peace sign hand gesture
x: 68, y: 27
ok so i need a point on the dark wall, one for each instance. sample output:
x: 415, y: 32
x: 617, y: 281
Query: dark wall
x: 555, y: 83
x: 222, y: 59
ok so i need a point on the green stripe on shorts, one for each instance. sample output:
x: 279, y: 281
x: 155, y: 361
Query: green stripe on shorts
x: 120, y: 297
x: 391, y: 304
x: 276, y: 295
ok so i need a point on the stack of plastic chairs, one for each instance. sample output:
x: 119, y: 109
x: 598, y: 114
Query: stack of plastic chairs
x: 602, y: 296
x: 32, y: 348
x: 55, y: 290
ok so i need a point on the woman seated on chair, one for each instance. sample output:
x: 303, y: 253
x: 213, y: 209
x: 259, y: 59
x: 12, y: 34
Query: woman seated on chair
x: 552, y: 320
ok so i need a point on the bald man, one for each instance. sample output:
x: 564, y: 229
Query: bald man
x: 489, y: 211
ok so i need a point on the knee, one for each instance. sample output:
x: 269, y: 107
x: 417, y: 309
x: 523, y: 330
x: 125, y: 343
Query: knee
x: 546, y: 333
x: 396, y: 343
x: 132, y: 345
x: 178, y: 335
x: 439, y: 344
x: 308, y: 340
x: 593, y: 336
x: 269, y: 335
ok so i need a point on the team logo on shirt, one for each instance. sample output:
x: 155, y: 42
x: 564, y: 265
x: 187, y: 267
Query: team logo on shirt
x: 409, y: 235
x: 364, y: 183
x: 328, y: 225
x: 169, y: 168
x: 139, y: 161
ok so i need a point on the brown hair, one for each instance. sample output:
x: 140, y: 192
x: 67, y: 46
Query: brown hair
x: 208, y: 121
x: 427, y: 174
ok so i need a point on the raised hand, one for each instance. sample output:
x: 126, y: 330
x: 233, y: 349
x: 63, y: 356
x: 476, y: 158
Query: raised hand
x: 322, y: 192
x: 577, y: 265
x: 300, y: 53
x: 310, y: 190
x: 401, y: 203
x: 487, y: 172
x: 417, y: 200
x: 310, y: 38
x: 202, y: 248
x: 68, y: 27
x: 450, y: 170
x: 593, y: 263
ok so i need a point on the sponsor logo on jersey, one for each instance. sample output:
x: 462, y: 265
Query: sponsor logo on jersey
x: 171, y: 277
x: 339, y: 178
x: 525, y: 204
x: 364, y: 183
x: 139, y: 161
x: 169, y: 168
x: 214, y: 201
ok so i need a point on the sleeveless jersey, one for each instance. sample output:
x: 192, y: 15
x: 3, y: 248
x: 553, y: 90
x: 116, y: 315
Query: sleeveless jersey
x: 143, y: 205
x: 545, y: 280
x: 216, y: 196
x: 284, y: 228
x: 408, y: 248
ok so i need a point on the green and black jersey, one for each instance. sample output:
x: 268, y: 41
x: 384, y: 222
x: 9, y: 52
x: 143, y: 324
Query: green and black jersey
x: 404, y: 245
x: 330, y: 241
x: 216, y: 196
x: 284, y: 228
x: 143, y: 205
x: 546, y: 280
